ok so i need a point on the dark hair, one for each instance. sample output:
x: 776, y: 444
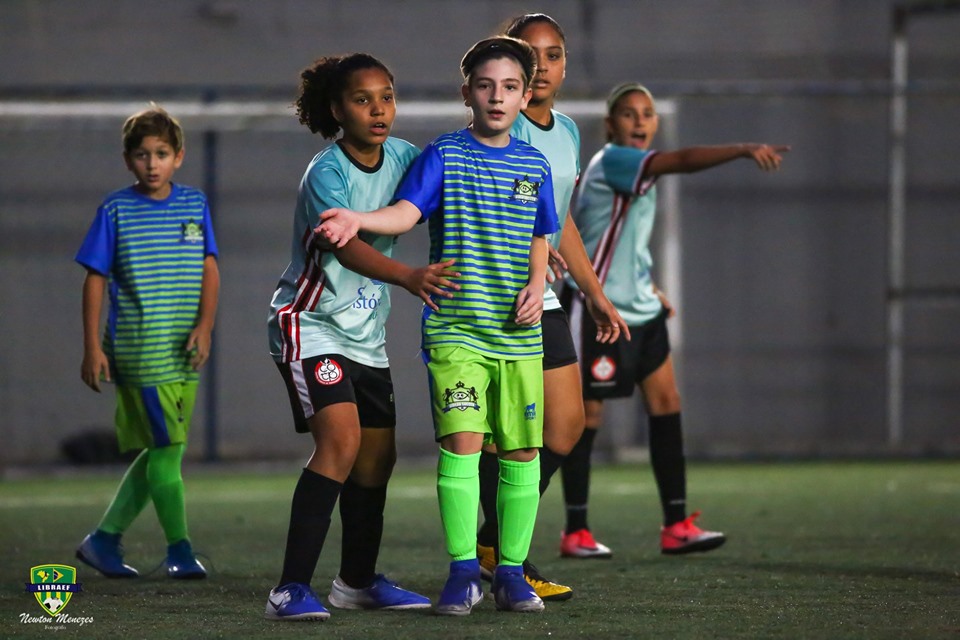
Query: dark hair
x: 154, y: 121
x: 500, y: 47
x: 323, y: 83
x: 516, y: 26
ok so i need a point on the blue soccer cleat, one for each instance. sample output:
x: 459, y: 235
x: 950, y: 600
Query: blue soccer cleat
x: 294, y: 602
x: 512, y: 592
x: 462, y: 590
x: 381, y: 594
x: 181, y: 563
x: 103, y: 552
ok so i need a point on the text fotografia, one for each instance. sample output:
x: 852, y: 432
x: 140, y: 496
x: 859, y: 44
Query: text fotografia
x: 60, y: 618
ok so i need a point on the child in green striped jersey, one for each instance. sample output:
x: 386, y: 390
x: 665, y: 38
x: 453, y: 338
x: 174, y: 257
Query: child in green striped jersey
x: 488, y: 197
x: 152, y: 246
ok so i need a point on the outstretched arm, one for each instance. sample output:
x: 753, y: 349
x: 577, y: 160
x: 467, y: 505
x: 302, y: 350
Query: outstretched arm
x: 338, y: 225
x: 423, y: 282
x: 607, y: 318
x: 691, y: 159
x: 95, y: 361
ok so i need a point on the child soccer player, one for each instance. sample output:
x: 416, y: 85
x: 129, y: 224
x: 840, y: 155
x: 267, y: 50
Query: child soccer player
x: 152, y: 246
x: 326, y: 329
x: 557, y: 137
x: 489, y: 201
x: 615, y: 211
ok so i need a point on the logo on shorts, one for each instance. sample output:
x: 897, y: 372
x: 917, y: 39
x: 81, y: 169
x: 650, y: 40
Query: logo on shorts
x: 530, y: 412
x: 525, y: 190
x: 460, y: 398
x: 53, y: 585
x: 603, y: 368
x: 192, y: 232
x: 328, y: 372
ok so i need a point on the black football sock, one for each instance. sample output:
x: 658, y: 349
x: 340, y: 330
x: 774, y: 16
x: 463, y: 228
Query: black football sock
x: 361, y: 513
x: 669, y: 466
x: 550, y: 461
x: 489, y: 533
x: 310, y: 511
x: 576, y: 481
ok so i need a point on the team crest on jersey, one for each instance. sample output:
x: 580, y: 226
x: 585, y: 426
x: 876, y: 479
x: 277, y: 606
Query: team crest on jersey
x: 460, y: 397
x: 603, y: 368
x: 328, y: 372
x: 192, y: 232
x: 53, y: 585
x: 526, y: 190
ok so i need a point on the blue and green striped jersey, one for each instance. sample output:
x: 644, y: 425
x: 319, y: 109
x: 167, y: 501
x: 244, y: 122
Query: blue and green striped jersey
x: 484, y: 205
x: 559, y: 141
x: 152, y: 253
x: 319, y: 305
x: 614, y: 211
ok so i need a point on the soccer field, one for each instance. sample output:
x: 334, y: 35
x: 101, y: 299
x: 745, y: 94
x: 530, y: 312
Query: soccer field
x: 815, y: 550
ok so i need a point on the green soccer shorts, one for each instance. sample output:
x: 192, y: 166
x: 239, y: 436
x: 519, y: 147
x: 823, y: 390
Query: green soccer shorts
x: 502, y: 399
x: 152, y: 417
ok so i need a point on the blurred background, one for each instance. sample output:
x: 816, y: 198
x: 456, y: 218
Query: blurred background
x: 782, y: 282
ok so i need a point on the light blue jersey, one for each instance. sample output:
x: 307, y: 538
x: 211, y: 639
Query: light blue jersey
x: 614, y: 212
x: 320, y: 306
x: 560, y: 143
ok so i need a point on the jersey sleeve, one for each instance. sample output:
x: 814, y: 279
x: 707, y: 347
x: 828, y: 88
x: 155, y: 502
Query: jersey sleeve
x: 209, y: 241
x: 422, y: 186
x: 323, y: 188
x: 99, y: 246
x: 625, y: 169
x: 546, y: 221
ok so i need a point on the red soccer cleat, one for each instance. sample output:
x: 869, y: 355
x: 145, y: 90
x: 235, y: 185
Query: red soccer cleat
x: 686, y: 537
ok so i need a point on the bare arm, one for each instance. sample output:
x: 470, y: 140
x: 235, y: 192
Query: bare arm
x: 692, y: 159
x: 95, y: 361
x: 338, y: 225
x: 423, y: 282
x: 604, y: 314
x: 201, y: 337
x: 529, y: 305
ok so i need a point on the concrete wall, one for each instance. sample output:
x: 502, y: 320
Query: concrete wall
x: 783, y: 276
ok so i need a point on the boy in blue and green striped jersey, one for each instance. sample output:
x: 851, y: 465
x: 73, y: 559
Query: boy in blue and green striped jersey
x: 488, y: 198
x: 151, y: 246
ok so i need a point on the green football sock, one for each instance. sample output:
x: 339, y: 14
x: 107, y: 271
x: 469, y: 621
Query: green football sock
x: 458, y: 490
x: 166, y: 489
x: 132, y: 496
x: 518, y: 497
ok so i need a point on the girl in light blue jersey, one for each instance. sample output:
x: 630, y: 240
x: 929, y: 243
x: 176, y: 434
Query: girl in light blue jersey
x: 326, y: 330
x: 615, y: 209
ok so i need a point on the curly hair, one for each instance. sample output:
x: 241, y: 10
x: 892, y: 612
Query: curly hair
x: 323, y: 83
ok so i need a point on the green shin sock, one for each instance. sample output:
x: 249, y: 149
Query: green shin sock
x: 166, y: 489
x: 132, y: 496
x: 458, y: 490
x: 517, y: 500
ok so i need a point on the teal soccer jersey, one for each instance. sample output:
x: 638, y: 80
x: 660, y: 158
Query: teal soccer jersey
x: 560, y: 143
x: 484, y: 205
x: 319, y: 305
x: 152, y: 253
x: 614, y: 212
